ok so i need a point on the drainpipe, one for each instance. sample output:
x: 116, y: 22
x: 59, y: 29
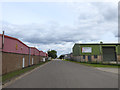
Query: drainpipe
x: 29, y: 56
x: 116, y: 49
x: 3, y: 40
x: 101, y: 52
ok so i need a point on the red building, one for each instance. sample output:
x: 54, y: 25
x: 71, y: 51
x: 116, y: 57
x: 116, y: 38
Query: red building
x: 17, y: 55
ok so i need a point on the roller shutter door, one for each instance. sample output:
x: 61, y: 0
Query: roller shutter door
x: 109, y: 54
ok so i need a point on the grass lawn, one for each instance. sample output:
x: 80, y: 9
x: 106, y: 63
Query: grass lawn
x: 97, y: 64
x: 16, y: 73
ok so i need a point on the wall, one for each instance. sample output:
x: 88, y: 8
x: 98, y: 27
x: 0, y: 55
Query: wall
x: 76, y: 50
x: 12, y: 62
x: 98, y: 59
x: 118, y: 49
x: 118, y: 58
x: 37, y: 52
x: 0, y: 63
x: 34, y: 51
x: 0, y: 43
x: 13, y: 53
x: 77, y: 58
x: 42, y: 54
x: 36, y: 59
x: 95, y: 49
x: 15, y: 46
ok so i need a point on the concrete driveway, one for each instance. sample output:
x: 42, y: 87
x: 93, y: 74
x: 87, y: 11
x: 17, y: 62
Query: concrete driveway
x: 65, y: 74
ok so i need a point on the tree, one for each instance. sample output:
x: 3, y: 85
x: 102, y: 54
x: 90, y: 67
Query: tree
x: 62, y: 56
x: 52, y: 54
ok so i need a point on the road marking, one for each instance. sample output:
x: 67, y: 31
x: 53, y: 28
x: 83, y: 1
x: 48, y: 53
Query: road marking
x: 21, y: 76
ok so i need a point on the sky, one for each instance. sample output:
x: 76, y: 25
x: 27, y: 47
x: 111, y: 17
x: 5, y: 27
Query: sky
x: 59, y: 25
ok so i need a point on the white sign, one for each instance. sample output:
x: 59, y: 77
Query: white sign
x: 86, y: 49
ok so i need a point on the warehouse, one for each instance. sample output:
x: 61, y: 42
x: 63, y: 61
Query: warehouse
x: 43, y: 56
x: 34, y: 56
x: 17, y: 55
x: 67, y: 56
x: 100, y: 52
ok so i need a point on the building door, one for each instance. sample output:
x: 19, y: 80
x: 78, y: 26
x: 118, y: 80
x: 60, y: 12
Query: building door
x: 32, y: 61
x: 43, y: 59
x: 89, y: 58
x: 23, y: 62
x: 109, y: 54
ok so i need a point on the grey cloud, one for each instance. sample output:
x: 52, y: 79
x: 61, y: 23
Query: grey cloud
x: 92, y: 26
x: 99, y: 13
x: 107, y: 10
x: 42, y: 35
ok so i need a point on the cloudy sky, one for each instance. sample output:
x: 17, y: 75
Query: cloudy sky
x: 59, y: 25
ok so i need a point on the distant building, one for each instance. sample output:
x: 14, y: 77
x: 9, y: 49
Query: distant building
x: 68, y: 56
x: 103, y: 52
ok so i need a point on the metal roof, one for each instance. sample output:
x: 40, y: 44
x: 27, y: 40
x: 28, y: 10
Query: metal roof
x: 97, y: 43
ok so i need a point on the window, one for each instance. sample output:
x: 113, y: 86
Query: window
x: 83, y: 56
x: 95, y: 56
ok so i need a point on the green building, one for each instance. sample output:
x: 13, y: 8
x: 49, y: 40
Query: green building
x: 96, y: 52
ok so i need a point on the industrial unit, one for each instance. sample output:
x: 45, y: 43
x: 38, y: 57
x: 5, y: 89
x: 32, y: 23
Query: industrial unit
x: 17, y: 55
x: 68, y: 56
x: 100, y: 52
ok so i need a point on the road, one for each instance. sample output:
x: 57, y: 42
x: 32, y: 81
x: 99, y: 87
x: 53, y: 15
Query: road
x: 65, y: 74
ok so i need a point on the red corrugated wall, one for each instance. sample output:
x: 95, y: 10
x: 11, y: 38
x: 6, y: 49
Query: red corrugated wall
x: 43, y: 53
x: 34, y: 51
x: 13, y: 45
x: 0, y: 43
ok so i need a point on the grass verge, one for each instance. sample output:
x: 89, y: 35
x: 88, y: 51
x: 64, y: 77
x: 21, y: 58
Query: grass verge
x: 16, y: 73
x: 97, y: 64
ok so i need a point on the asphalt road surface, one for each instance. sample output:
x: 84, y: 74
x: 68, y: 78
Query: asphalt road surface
x: 65, y: 74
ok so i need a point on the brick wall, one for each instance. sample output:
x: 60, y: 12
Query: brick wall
x: 12, y: 62
x: 76, y: 58
x: 80, y: 58
x: 118, y: 58
x: 0, y: 63
x: 98, y: 59
x: 84, y: 60
x: 36, y: 59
